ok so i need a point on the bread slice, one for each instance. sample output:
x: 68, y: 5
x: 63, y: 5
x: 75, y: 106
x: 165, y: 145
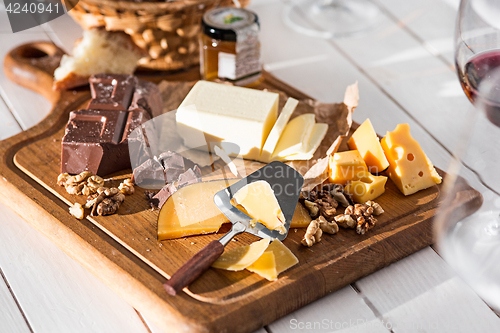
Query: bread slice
x: 99, y: 51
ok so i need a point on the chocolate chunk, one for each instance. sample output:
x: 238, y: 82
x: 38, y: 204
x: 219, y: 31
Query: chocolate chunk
x: 94, y: 142
x: 190, y: 176
x: 111, y: 91
x: 149, y: 174
x: 173, y: 164
x: 147, y: 97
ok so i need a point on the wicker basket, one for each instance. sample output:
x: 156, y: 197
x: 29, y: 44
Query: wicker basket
x: 168, y: 30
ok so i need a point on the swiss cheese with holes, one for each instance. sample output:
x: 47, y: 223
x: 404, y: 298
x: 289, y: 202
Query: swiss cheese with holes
x: 409, y: 168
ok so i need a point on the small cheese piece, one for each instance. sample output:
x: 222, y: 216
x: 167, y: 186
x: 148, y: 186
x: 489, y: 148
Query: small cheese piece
x: 241, y: 257
x: 277, y: 129
x: 409, y: 167
x: 224, y: 113
x: 301, y: 217
x: 345, y: 166
x: 295, y: 136
x: 283, y: 260
x: 192, y: 211
x: 366, y: 141
x: 259, y: 201
x: 317, y: 135
x: 367, y: 187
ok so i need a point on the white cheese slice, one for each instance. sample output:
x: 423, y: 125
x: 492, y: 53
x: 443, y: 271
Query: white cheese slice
x: 295, y: 136
x: 277, y: 130
x: 223, y: 113
x: 317, y: 135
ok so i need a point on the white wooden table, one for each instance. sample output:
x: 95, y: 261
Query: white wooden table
x: 405, y: 73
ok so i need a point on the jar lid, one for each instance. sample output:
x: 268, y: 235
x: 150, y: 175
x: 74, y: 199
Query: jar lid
x: 222, y: 23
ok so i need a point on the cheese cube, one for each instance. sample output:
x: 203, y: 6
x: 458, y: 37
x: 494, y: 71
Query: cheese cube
x: 295, y: 136
x: 223, y: 113
x: 366, y: 141
x: 277, y: 129
x: 259, y: 201
x: 409, y: 167
x: 345, y: 166
x: 317, y: 135
x: 367, y: 187
x: 301, y: 217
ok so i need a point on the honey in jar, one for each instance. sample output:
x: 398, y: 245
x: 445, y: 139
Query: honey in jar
x: 230, y: 46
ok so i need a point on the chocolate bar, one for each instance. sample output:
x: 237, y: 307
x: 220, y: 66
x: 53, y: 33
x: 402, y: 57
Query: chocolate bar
x: 96, y: 139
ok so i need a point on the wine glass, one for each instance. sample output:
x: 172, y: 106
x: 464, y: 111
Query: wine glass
x: 471, y: 245
x: 331, y: 18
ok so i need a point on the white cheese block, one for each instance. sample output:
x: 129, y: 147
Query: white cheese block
x: 295, y: 136
x: 277, y: 130
x: 222, y: 113
x: 317, y: 135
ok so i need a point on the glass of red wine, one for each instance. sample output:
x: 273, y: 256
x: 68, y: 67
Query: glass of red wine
x: 468, y: 236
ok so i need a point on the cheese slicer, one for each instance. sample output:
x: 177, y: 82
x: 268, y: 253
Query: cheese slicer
x: 286, y: 183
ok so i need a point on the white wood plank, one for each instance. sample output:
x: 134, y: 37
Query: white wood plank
x: 28, y: 107
x: 56, y: 293
x: 8, y: 125
x: 343, y: 310
x: 433, y: 299
x: 11, y: 318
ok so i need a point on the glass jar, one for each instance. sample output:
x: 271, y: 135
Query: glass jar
x: 230, y: 46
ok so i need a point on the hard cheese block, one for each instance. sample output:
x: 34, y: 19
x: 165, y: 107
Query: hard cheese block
x: 277, y: 129
x: 366, y: 142
x: 241, y: 257
x: 214, y: 112
x: 259, y: 201
x: 295, y: 136
x: 366, y: 187
x: 275, y: 260
x: 191, y: 211
x: 204, y: 217
x: 345, y: 166
x: 317, y: 135
x: 409, y: 167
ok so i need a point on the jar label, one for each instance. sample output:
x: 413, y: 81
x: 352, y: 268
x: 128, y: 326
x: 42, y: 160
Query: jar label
x: 246, y: 61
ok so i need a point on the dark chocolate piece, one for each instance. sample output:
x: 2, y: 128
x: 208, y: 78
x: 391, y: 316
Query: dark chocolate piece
x: 94, y: 141
x: 190, y: 176
x: 147, y: 97
x: 111, y: 91
x: 149, y: 174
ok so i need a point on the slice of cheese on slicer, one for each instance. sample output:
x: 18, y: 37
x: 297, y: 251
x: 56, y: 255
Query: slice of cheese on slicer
x: 295, y: 136
x: 192, y: 211
x: 318, y: 134
x: 270, y: 266
x: 241, y: 257
x: 277, y: 129
x: 259, y: 201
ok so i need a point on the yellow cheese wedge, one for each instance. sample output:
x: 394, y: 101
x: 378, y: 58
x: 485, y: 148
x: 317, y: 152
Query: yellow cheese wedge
x: 345, y: 166
x: 259, y: 201
x: 241, y: 257
x: 317, y: 135
x: 277, y: 129
x: 295, y: 136
x: 367, y: 187
x: 301, y: 217
x: 409, y: 167
x: 192, y: 211
x: 223, y: 113
x: 366, y: 141
x: 265, y: 266
x: 283, y: 260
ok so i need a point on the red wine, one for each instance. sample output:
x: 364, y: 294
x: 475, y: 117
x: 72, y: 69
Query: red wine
x: 478, y: 68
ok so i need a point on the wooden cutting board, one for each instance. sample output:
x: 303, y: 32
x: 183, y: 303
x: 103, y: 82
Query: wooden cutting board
x: 122, y: 249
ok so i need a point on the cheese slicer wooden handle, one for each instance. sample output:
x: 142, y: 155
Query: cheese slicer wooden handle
x: 194, y: 267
